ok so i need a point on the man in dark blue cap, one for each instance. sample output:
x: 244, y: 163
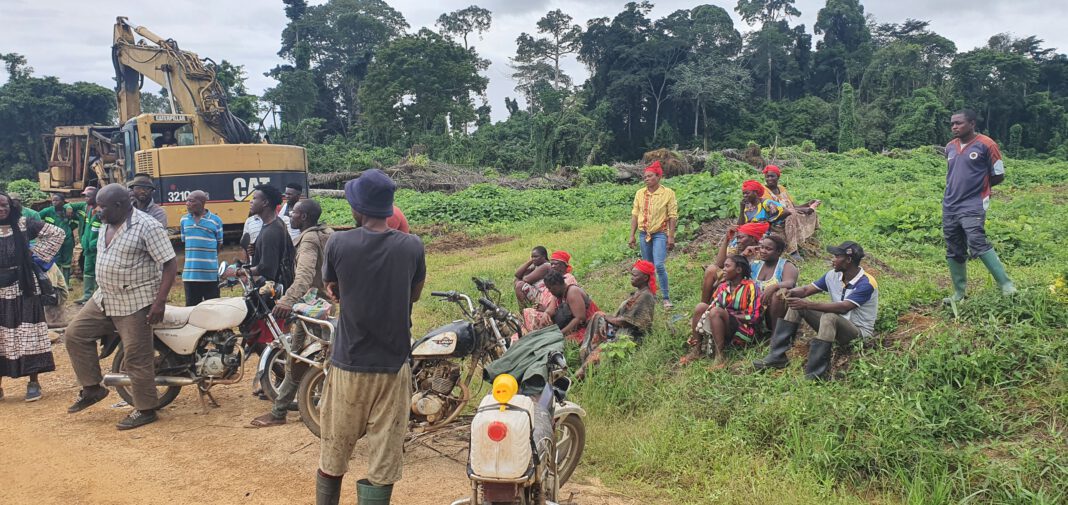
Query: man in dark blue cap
x: 849, y: 315
x: 376, y: 273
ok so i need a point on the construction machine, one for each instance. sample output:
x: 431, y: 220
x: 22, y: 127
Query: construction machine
x: 199, y: 144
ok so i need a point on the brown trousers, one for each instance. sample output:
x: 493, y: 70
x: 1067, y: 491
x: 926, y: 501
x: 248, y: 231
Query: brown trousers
x: 374, y: 405
x: 91, y: 325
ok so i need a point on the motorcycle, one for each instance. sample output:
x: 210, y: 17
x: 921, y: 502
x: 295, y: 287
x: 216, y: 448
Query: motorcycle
x: 440, y: 385
x: 198, y: 346
x: 526, y: 444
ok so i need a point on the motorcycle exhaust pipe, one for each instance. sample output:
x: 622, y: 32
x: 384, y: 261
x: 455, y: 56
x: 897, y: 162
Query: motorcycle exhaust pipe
x: 121, y: 379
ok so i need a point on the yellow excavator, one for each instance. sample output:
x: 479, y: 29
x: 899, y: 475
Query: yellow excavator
x: 199, y: 144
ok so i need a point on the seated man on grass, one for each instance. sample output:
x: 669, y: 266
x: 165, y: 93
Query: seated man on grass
x: 849, y: 315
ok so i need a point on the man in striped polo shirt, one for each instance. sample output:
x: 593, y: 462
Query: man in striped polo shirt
x: 202, y: 234
x: 974, y: 166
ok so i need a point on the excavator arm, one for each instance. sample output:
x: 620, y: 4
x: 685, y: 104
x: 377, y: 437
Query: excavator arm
x: 191, y: 86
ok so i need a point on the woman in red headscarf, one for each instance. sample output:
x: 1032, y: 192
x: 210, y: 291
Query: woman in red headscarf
x: 634, y: 317
x: 801, y: 221
x: 540, y: 316
x: 757, y: 209
x: 744, y: 240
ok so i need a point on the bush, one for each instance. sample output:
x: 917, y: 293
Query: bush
x: 28, y: 191
x: 597, y: 173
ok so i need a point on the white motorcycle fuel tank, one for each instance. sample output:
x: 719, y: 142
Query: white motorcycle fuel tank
x: 182, y: 327
x: 500, y: 440
x: 454, y: 339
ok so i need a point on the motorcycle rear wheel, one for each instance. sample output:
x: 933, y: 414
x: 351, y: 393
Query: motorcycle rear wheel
x: 309, y: 393
x: 164, y: 360
x: 570, y: 442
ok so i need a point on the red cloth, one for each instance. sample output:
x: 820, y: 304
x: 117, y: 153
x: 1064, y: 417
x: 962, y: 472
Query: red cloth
x: 647, y: 268
x: 562, y: 256
x: 655, y: 168
x: 755, y: 230
x: 772, y: 168
x: 397, y: 221
x: 752, y: 185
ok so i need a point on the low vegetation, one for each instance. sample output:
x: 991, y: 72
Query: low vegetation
x: 935, y: 410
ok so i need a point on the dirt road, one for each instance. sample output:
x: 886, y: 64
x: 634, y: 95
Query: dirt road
x: 191, y: 456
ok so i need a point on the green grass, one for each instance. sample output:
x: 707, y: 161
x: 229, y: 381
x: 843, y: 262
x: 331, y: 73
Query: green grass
x: 939, y: 410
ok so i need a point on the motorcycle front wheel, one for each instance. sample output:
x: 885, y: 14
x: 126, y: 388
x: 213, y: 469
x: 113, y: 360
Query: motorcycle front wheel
x: 570, y: 442
x: 275, y: 372
x: 165, y: 361
x: 309, y: 393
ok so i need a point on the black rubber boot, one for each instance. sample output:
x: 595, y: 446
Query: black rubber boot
x: 819, y: 359
x: 327, y: 489
x: 370, y: 494
x: 781, y: 341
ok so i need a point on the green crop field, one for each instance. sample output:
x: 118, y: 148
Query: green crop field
x: 938, y: 409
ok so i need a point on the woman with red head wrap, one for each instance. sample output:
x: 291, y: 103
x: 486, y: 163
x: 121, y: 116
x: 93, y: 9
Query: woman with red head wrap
x: 634, y: 317
x: 800, y: 221
x: 654, y: 214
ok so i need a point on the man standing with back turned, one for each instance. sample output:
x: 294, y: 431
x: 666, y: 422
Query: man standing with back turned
x: 376, y: 273
x: 975, y: 165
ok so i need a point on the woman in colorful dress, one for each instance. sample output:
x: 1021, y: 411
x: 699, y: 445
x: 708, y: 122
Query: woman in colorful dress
x: 538, y: 316
x: 800, y: 221
x: 773, y: 274
x: 731, y: 318
x: 634, y: 317
x: 25, y: 349
x: 755, y: 208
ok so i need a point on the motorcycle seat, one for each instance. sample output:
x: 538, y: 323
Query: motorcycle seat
x: 175, y: 317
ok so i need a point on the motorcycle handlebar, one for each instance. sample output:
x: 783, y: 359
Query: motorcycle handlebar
x: 442, y: 294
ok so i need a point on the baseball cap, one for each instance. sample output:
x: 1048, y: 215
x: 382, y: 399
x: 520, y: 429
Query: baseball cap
x: 847, y: 248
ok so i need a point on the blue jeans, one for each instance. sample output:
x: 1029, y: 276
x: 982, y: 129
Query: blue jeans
x: 655, y: 250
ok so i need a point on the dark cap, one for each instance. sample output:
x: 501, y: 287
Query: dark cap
x: 371, y: 194
x: 847, y: 248
x: 143, y: 180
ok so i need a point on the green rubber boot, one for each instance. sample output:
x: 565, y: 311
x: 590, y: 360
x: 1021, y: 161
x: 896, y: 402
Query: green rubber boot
x: 88, y: 288
x: 370, y: 494
x: 327, y: 489
x: 997, y: 270
x: 958, y: 273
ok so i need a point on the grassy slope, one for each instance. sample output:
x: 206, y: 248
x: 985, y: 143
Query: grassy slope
x: 941, y: 410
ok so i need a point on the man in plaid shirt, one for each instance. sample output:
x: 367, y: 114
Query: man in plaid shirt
x: 131, y: 297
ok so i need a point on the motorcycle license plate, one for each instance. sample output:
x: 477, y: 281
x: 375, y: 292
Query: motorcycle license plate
x: 493, y: 491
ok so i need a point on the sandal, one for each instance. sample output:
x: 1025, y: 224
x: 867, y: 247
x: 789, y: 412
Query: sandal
x: 267, y: 420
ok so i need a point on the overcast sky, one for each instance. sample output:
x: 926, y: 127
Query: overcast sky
x: 71, y: 39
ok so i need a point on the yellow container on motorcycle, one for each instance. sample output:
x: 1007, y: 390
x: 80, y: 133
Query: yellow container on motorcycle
x: 500, y: 440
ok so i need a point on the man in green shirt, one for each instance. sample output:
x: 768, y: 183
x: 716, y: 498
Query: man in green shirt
x: 89, y: 230
x: 62, y: 215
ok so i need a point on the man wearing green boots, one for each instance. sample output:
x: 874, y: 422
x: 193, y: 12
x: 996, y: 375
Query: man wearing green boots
x: 975, y: 165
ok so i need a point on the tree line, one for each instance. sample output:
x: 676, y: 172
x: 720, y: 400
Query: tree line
x: 358, y: 86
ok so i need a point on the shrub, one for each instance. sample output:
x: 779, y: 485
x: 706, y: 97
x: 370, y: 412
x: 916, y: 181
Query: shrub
x: 597, y: 173
x: 28, y: 191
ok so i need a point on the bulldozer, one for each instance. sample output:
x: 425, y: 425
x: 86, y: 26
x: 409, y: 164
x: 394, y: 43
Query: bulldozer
x: 198, y: 145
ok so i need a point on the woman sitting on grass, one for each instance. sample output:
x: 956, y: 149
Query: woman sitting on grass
x: 744, y: 240
x: 571, y: 310
x: 800, y: 221
x: 731, y: 317
x: 773, y: 274
x: 634, y: 317
x: 538, y: 316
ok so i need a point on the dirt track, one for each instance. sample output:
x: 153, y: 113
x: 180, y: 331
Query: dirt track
x: 192, y: 456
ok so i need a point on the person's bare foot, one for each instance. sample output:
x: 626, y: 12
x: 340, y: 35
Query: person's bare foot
x: 267, y: 420
x: 719, y: 364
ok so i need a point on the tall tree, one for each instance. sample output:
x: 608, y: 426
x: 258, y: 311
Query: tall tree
x: 337, y: 41
x: 772, y: 36
x: 845, y: 50
x: 709, y: 82
x: 848, y: 137
x: 560, y: 38
x: 472, y: 19
x: 418, y: 80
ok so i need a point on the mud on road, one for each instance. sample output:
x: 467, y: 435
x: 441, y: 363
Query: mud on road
x: 194, y: 456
